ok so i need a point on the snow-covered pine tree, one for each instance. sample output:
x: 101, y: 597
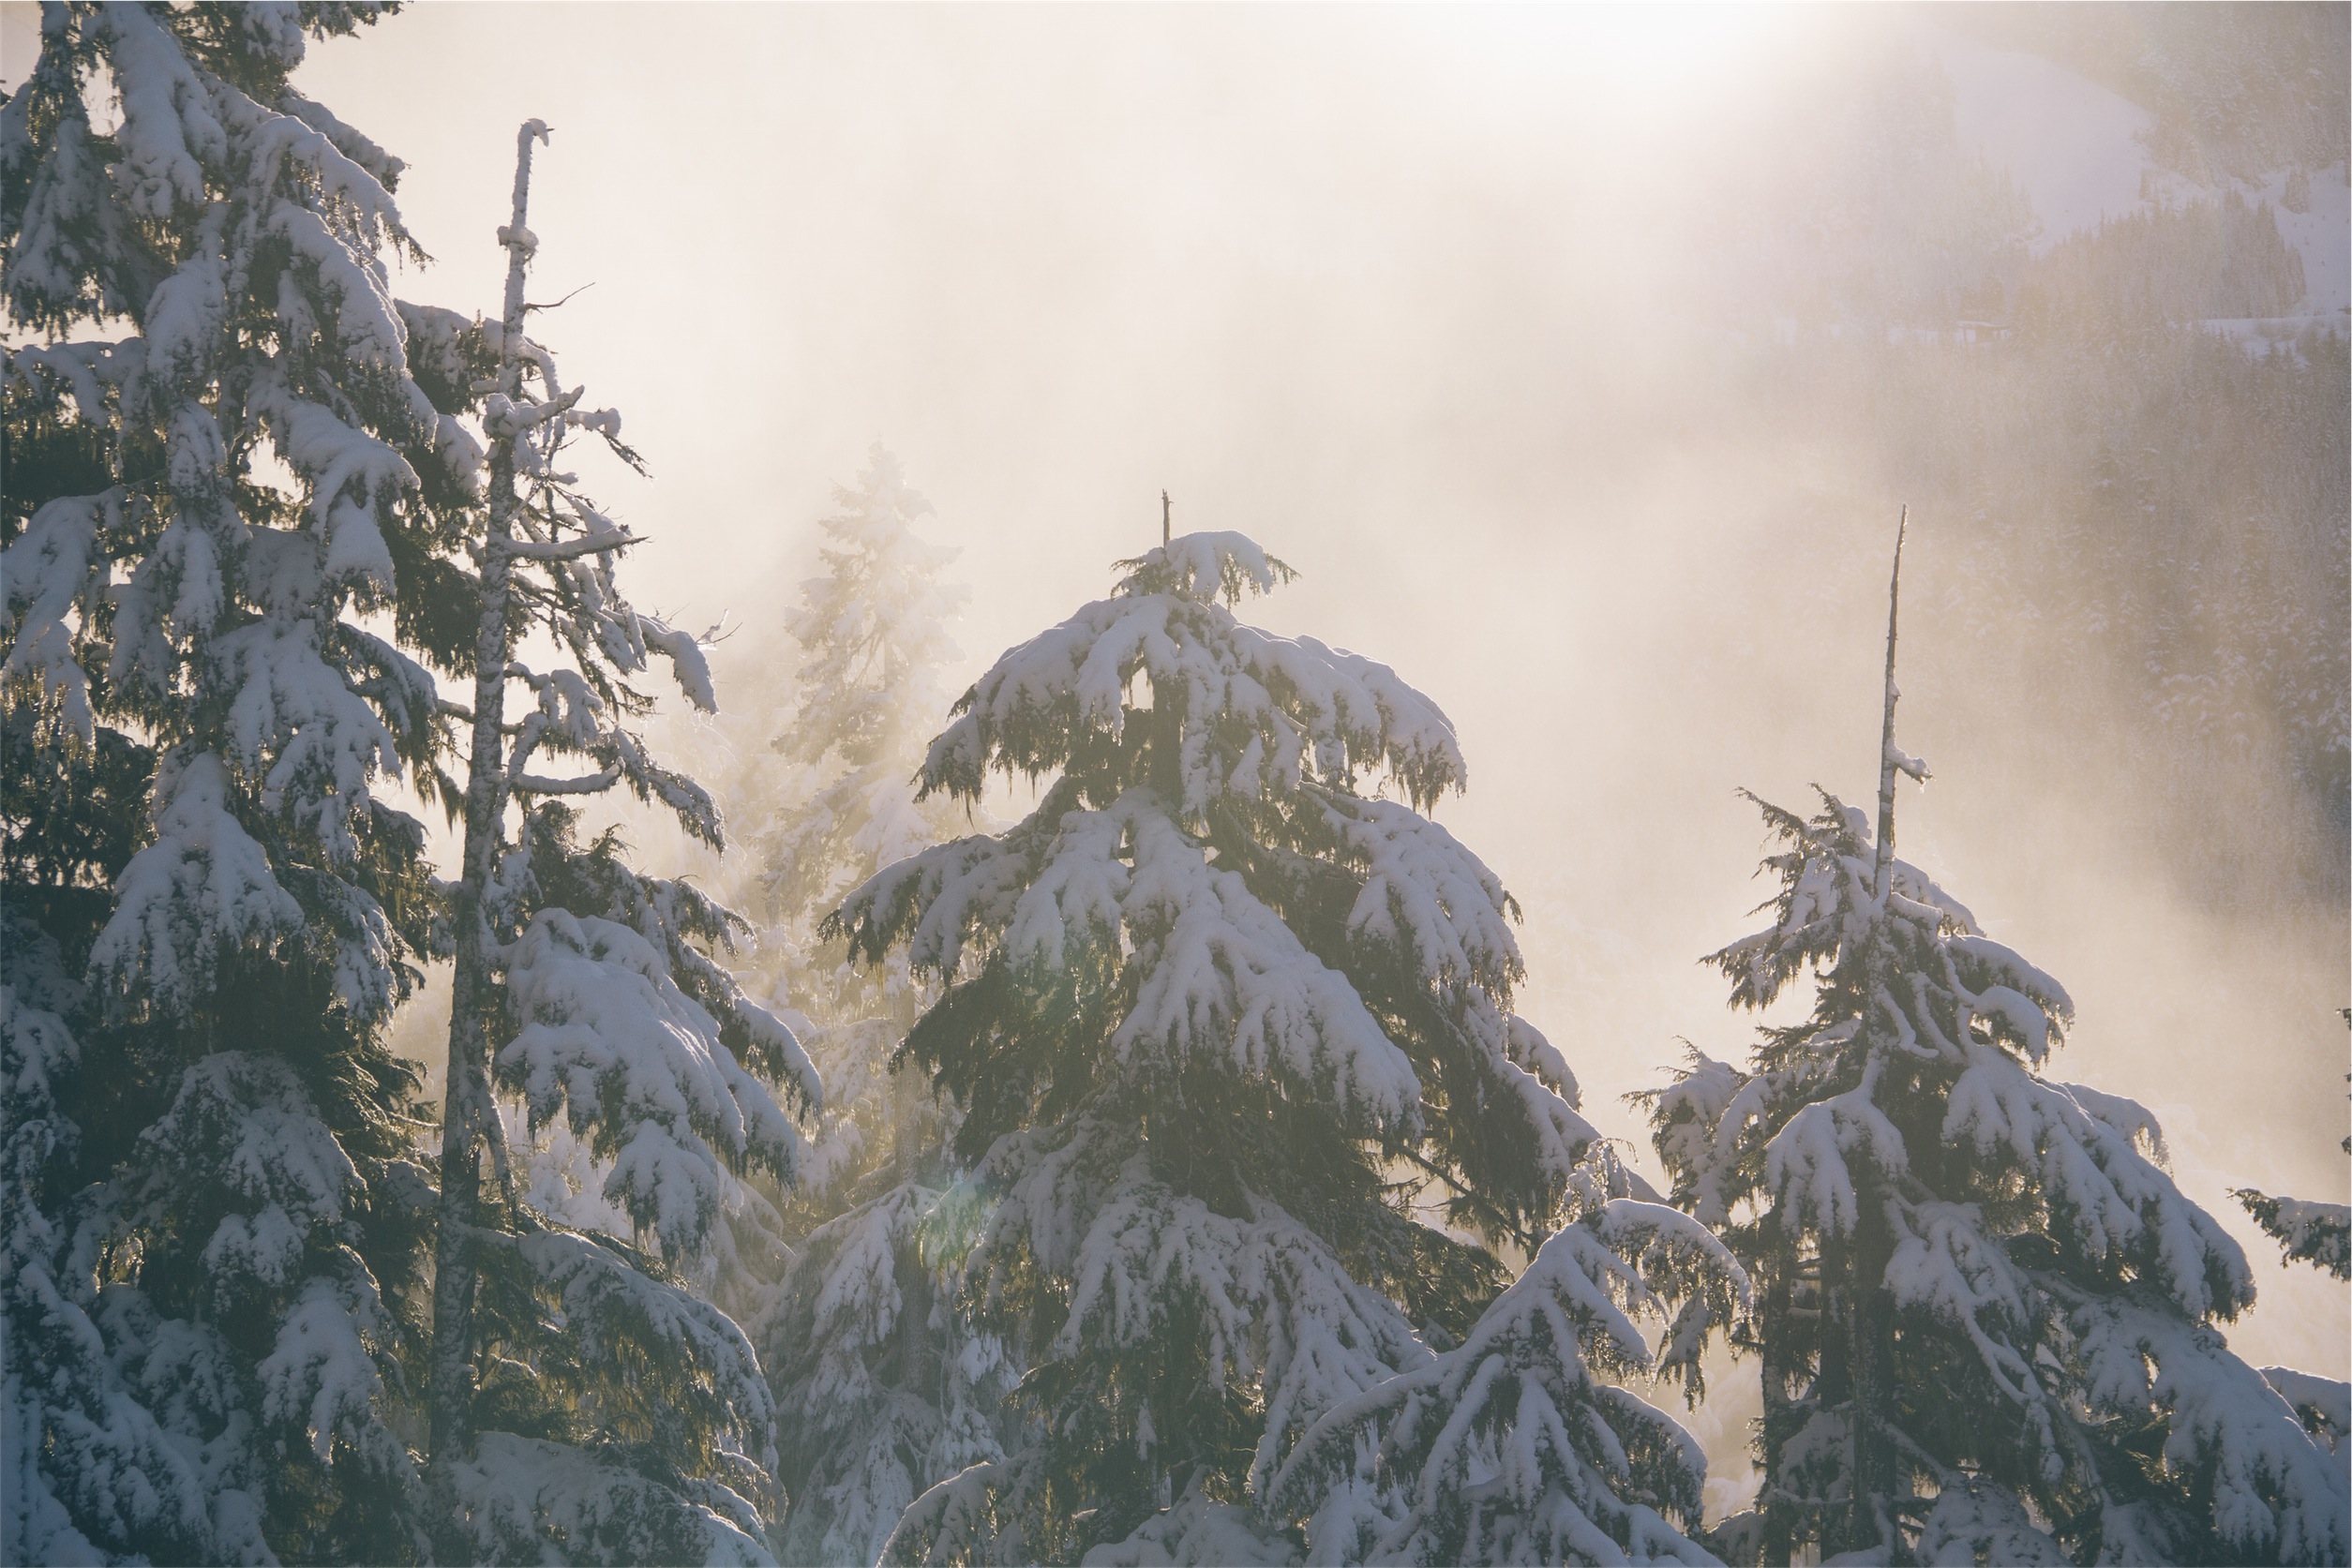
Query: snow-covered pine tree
x: 214, y: 1232
x: 585, y: 1403
x: 1229, y: 1027
x: 882, y: 1389
x: 1986, y: 1316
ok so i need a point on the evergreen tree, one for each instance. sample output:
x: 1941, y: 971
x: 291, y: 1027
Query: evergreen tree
x: 1986, y: 1316
x: 1230, y: 1028
x: 214, y: 1232
x: 585, y: 1403
x: 882, y: 1389
x: 840, y: 806
x: 875, y: 629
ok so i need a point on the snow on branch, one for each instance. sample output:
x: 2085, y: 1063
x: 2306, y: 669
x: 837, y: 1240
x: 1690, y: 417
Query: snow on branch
x: 348, y: 141
x: 1701, y: 1124
x: 1198, y: 1532
x: 1222, y: 976
x: 2097, y: 1184
x: 2324, y: 1404
x: 2276, y: 1495
x: 536, y: 783
x: 863, y: 1431
x: 565, y: 549
x: 295, y: 720
x: 322, y: 1376
x: 684, y: 650
x: 89, y: 373
x: 353, y: 477
x: 1945, y: 1264
x: 46, y: 574
x: 610, y: 1305
x: 1806, y: 1163
x: 958, y: 1520
x: 1270, y: 1299
x: 1426, y: 899
x: 606, y: 1032
x: 202, y: 887
x: 1980, y: 1522
x: 1222, y: 973
x: 168, y: 119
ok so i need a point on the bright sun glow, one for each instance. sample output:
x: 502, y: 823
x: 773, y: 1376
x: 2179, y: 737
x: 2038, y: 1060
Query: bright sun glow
x: 1635, y: 50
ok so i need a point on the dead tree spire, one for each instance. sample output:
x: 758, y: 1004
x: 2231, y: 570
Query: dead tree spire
x: 1163, y: 520
x: 468, y: 1118
x: 1891, y: 759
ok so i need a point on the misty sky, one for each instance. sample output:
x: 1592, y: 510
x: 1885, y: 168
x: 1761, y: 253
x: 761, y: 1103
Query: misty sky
x: 1443, y: 308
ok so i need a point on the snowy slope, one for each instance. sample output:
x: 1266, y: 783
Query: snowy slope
x: 2074, y: 147
x: 2077, y: 150
x: 2323, y: 236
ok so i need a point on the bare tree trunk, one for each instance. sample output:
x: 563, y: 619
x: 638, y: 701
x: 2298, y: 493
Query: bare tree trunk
x: 1779, y: 1422
x: 1886, y: 860
x: 1872, y: 1369
x: 466, y: 1105
x: 1870, y: 1325
x: 1833, y: 1378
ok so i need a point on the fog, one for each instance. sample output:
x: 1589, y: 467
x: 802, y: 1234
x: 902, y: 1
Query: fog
x: 1477, y: 318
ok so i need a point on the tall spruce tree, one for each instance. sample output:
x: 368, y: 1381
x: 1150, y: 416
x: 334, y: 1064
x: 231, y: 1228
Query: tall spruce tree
x: 222, y: 480
x: 881, y: 1388
x: 873, y: 632
x: 833, y: 800
x: 585, y: 1403
x: 1986, y: 1316
x: 1229, y: 1029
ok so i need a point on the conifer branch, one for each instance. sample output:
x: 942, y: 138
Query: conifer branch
x: 567, y: 549
x: 591, y: 784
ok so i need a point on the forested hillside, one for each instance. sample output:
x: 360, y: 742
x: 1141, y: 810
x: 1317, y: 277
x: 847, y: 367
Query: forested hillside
x: 2132, y: 433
